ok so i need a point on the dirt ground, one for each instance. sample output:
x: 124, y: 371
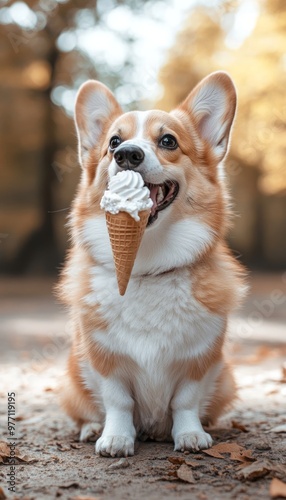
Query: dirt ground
x: 51, y: 463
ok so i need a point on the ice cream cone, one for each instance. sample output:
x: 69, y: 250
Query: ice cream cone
x: 125, y: 235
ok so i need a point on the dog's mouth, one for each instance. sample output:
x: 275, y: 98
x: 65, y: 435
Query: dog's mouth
x: 162, y: 196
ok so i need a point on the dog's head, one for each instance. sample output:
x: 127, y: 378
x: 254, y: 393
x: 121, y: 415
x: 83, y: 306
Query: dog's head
x: 179, y: 155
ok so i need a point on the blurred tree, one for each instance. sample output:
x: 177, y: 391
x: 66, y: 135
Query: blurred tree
x: 40, y: 61
x: 256, y: 164
x: 192, y: 57
x: 258, y: 67
x: 259, y: 70
x: 32, y: 65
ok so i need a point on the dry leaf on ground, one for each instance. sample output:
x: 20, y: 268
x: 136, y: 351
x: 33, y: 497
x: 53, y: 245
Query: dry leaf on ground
x: 243, y: 455
x: 5, y: 454
x: 194, y: 463
x: 76, y: 446
x: 62, y: 447
x: 120, y: 464
x: 176, y: 460
x: 234, y: 449
x: 260, y: 469
x: 277, y: 488
x: 4, y: 450
x: 2, y: 494
x: 237, y: 425
x: 185, y: 474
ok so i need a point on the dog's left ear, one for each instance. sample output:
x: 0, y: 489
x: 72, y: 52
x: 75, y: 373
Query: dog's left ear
x: 211, y: 107
x: 95, y: 108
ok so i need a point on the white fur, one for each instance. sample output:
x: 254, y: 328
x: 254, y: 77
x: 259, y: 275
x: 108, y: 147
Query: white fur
x: 91, y: 113
x: 156, y: 323
x: 142, y: 117
x: 151, y: 169
x: 164, y: 245
x: 209, y: 105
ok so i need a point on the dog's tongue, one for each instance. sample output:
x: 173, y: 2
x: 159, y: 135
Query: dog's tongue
x: 153, y: 196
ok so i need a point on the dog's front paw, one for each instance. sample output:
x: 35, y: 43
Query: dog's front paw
x: 115, y: 446
x: 193, y: 441
x: 88, y: 430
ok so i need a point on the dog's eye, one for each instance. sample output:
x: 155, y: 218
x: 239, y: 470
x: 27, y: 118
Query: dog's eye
x: 168, y: 141
x: 114, y: 142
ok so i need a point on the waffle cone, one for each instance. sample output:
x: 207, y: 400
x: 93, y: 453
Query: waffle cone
x: 125, y: 235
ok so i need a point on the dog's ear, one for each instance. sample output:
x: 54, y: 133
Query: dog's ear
x: 95, y: 108
x: 211, y: 106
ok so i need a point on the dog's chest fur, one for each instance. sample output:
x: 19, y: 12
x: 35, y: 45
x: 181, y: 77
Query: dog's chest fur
x: 158, y: 324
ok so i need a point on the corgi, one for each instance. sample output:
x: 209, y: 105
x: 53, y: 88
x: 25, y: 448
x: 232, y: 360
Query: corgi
x: 150, y: 364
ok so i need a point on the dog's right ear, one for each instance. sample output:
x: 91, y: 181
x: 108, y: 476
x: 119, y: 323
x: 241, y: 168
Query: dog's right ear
x: 95, y: 108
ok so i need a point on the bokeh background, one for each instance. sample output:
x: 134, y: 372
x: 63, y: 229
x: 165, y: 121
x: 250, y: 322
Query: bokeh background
x: 150, y: 53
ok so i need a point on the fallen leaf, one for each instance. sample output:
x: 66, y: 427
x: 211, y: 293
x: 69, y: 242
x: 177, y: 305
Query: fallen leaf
x: 185, y: 474
x: 279, y: 428
x: 172, y: 473
x: 237, y: 425
x: 193, y: 463
x: 277, y: 488
x: 26, y: 459
x: 260, y: 469
x: 121, y: 464
x: 217, y: 450
x: 176, y: 460
x: 4, y: 450
x: 62, y: 447
x: 2, y: 494
x: 5, y: 454
x: 242, y: 456
x: 76, y: 446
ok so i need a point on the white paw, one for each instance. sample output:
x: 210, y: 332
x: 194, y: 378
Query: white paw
x: 193, y: 441
x: 89, y: 430
x: 115, y: 446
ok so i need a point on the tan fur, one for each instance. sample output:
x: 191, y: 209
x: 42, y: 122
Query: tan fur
x: 223, y: 398
x: 213, y: 284
x: 74, y: 395
x: 197, y: 367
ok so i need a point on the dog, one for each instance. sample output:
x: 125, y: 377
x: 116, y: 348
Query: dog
x: 151, y: 363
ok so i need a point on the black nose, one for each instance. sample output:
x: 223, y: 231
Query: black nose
x: 129, y: 157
